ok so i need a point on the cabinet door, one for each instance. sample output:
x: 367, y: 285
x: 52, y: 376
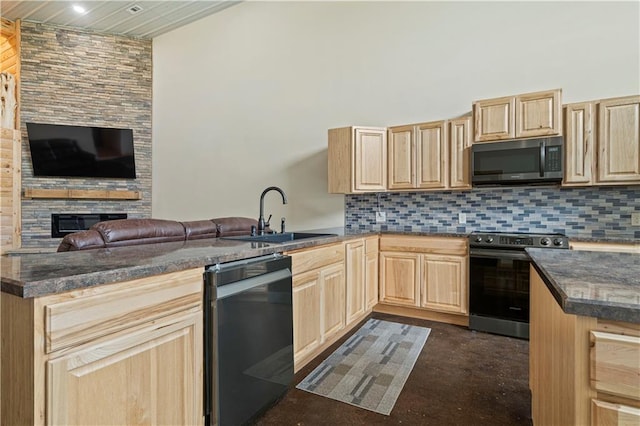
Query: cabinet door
x: 152, y: 375
x: 494, y: 119
x: 432, y: 155
x: 402, y: 158
x: 619, y: 140
x: 355, y: 264
x: 579, y: 144
x: 444, y: 283
x: 306, y: 313
x: 538, y: 114
x: 400, y: 275
x: 370, y: 168
x: 612, y: 414
x: 332, y: 283
x: 371, y: 272
x: 460, y: 152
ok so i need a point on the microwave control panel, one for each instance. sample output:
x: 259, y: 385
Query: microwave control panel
x: 553, y: 159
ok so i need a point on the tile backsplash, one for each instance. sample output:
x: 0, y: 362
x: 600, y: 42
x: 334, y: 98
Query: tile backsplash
x: 593, y: 212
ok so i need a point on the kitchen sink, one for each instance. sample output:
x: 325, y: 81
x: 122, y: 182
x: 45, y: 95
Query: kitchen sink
x: 280, y: 238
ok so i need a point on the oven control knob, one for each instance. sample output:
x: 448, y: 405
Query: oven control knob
x: 557, y: 242
x: 489, y: 239
x: 478, y: 239
x: 545, y: 241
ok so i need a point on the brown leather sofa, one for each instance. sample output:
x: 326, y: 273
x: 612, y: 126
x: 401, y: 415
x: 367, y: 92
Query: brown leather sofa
x: 128, y: 232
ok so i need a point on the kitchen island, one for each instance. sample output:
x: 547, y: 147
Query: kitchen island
x: 584, y: 362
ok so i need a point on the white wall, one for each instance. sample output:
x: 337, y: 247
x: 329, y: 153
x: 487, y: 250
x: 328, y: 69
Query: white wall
x: 243, y: 99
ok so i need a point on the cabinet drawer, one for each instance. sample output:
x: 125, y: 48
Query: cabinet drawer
x: 307, y: 260
x: 609, y: 414
x: 615, y: 366
x: 435, y: 245
x: 81, y: 316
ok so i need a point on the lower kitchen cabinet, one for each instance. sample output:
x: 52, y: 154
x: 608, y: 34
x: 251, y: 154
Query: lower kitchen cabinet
x: 330, y: 294
x: 147, y: 376
x: 428, y: 273
x: 319, y: 291
x: 371, y: 272
x: 444, y: 287
x: 356, y: 286
x: 582, y: 370
x: 123, y: 353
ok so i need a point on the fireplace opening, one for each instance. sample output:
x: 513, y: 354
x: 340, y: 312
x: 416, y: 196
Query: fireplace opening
x: 63, y: 224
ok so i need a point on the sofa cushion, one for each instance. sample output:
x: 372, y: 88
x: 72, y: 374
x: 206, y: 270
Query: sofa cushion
x: 198, y: 229
x: 139, y: 231
x: 81, y: 240
x: 229, y: 226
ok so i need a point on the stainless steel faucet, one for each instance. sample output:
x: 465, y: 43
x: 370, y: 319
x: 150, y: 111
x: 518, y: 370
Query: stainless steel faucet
x: 261, y: 223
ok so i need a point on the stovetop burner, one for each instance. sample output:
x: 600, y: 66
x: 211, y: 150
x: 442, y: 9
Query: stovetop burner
x: 517, y: 240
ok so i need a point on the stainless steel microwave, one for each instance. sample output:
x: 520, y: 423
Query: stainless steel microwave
x: 516, y: 162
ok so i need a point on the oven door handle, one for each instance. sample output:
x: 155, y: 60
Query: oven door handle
x: 499, y: 254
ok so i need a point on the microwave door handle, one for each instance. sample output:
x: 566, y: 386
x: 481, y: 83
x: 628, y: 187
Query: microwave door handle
x: 543, y: 153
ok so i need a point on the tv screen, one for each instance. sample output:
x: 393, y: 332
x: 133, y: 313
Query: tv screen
x: 81, y: 151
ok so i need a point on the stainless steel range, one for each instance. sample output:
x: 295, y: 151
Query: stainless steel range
x: 499, y: 280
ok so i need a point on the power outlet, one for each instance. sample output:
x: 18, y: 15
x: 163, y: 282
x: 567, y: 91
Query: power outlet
x: 635, y: 219
x: 462, y: 218
x: 381, y: 217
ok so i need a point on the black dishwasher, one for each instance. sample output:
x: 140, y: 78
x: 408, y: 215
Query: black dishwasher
x: 248, y: 337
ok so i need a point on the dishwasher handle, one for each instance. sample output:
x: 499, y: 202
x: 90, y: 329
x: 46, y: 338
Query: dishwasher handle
x: 249, y: 283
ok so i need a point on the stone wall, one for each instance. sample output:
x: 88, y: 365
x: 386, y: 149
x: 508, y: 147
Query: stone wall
x: 78, y: 77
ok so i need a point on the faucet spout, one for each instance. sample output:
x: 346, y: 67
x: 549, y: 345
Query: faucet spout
x: 261, y: 221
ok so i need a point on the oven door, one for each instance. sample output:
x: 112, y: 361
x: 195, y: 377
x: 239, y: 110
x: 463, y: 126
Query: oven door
x: 499, y: 284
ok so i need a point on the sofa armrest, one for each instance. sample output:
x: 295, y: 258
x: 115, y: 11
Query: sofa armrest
x: 82, y: 240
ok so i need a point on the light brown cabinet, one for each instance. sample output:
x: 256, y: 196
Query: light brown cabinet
x: 371, y: 272
x: 424, y: 272
x: 330, y: 295
x: 521, y: 116
x: 124, y: 353
x: 418, y: 156
x: 319, y: 288
x: 582, y: 370
x: 432, y: 155
x: 357, y: 160
x: 619, y: 140
x: 602, y: 140
x: 444, y: 283
x: 356, y: 284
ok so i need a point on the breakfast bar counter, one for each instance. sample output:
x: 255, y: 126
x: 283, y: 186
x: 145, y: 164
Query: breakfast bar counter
x: 603, y: 285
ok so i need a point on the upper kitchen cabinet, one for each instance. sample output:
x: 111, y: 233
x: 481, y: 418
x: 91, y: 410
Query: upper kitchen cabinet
x: 619, y: 140
x: 431, y: 155
x: 460, y: 153
x: 521, y: 116
x: 418, y: 156
x: 602, y: 141
x: 357, y: 160
x: 579, y: 138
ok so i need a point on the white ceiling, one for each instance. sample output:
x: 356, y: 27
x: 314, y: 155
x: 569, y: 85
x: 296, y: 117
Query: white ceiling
x: 113, y: 17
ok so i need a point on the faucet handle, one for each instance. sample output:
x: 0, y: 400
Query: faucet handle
x: 268, y: 221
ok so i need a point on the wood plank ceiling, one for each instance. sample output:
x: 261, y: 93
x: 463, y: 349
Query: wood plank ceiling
x: 142, y: 18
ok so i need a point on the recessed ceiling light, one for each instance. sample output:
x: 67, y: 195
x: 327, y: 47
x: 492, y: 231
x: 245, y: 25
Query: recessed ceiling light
x: 134, y: 9
x: 79, y: 9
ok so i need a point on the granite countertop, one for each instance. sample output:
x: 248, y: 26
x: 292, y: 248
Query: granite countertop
x: 594, y: 284
x: 41, y: 274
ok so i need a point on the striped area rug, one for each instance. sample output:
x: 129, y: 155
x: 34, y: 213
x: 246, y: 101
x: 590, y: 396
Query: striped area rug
x: 371, y: 367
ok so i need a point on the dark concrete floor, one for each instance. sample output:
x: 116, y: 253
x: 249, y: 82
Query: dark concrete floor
x: 461, y: 377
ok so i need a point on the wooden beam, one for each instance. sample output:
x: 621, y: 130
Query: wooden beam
x: 94, y: 194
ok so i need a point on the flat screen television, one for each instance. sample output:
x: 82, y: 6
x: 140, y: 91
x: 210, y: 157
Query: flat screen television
x: 81, y: 151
